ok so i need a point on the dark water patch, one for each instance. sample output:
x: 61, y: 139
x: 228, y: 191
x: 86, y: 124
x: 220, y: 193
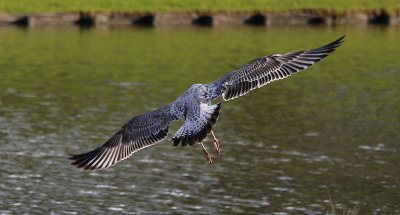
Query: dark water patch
x: 317, y: 21
x: 85, y: 20
x: 380, y: 18
x: 203, y: 20
x: 256, y: 20
x: 23, y: 22
x: 146, y: 21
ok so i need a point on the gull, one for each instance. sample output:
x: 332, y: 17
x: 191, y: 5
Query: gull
x: 195, y: 106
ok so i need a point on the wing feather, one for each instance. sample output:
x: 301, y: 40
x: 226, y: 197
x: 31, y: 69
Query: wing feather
x: 264, y: 70
x: 140, y: 132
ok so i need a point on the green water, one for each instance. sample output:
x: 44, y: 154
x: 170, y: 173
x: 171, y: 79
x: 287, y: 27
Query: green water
x: 333, y: 126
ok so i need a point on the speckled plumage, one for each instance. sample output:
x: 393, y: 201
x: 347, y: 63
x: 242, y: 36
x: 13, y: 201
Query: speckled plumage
x: 195, y: 106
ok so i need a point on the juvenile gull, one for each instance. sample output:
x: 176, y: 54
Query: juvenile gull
x: 195, y: 106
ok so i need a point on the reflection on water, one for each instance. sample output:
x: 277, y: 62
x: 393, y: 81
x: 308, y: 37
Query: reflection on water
x: 334, y: 126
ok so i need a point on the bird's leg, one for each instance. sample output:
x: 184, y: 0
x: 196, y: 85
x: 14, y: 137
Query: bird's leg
x: 205, y: 152
x: 217, y: 147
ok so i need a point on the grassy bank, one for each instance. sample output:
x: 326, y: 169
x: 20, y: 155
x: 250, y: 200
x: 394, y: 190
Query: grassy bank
x: 30, y: 6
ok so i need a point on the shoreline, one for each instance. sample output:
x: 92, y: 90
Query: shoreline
x: 203, y: 18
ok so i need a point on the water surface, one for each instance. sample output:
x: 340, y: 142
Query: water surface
x: 334, y: 126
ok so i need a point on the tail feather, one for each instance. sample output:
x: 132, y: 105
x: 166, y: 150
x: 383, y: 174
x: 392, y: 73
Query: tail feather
x: 195, y: 131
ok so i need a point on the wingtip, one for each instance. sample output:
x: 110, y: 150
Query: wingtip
x: 71, y: 157
x: 79, y: 160
x: 335, y: 44
x: 340, y: 40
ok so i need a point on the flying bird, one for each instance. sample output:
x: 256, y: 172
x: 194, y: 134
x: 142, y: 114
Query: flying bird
x: 200, y: 115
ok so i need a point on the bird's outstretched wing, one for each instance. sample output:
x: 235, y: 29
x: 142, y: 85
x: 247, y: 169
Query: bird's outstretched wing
x: 264, y: 70
x: 140, y: 132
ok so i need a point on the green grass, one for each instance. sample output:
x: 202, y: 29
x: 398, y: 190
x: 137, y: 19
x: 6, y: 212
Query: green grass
x: 344, y: 211
x: 34, y: 6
